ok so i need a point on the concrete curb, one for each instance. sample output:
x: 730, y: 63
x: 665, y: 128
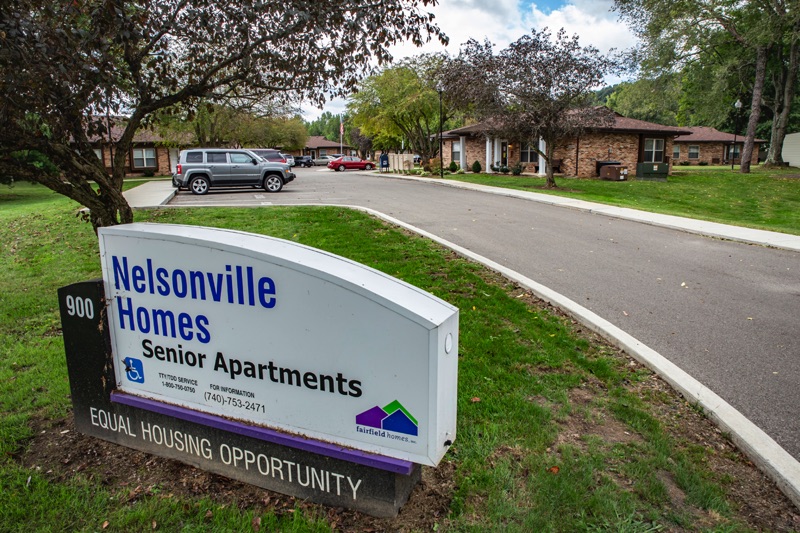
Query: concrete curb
x: 765, y: 453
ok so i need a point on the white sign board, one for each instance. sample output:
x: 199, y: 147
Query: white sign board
x: 281, y: 335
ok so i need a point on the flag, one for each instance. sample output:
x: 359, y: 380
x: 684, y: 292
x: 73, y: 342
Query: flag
x: 341, y: 126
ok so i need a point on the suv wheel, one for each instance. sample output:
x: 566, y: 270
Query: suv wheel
x: 199, y: 185
x: 273, y: 183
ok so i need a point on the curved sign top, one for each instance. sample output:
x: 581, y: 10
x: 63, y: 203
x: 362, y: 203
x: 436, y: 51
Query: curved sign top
x: 281, y: 335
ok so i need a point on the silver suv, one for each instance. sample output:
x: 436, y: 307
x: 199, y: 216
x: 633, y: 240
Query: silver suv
x: 199, y: 169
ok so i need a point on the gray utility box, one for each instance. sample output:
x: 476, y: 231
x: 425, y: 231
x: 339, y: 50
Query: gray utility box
x: 652, y: 171
x: 614, y: 172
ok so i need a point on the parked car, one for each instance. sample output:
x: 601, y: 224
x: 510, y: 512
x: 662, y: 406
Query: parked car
x: 304, y: 161
x: 322, y: 160
x: 349, y: 162
x: 200, y: 169
x: 289, y: 159
x: 269, y: 154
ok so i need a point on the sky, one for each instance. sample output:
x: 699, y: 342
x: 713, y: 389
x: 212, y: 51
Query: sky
x: 505, y: 21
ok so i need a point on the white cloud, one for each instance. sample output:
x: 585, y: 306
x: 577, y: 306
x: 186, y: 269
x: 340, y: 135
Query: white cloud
x: 592, y: 20
x: 505, y: 21
x: 311, y: 112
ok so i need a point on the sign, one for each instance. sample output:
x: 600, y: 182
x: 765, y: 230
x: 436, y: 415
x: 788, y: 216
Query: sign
x: 307, y: 469
x: 282, y: 336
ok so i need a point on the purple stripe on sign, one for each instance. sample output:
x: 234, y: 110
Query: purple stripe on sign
x: 398, y: 466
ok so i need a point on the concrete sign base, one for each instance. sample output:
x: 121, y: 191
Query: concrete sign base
x: 300, y: 467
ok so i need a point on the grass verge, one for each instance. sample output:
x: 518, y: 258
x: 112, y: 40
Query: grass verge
x: 556, y: 431
x: 766, y: 199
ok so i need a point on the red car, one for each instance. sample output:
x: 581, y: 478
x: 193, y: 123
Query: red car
x: 350, y: 162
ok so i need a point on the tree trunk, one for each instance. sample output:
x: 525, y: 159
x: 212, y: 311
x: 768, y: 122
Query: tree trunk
x: 782, y: 111
x: 755, y: 109
x: 107, y: 206
x: 550, y: 149
x: 113, y: 209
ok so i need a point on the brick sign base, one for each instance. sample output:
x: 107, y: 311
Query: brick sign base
x: 304, y: 468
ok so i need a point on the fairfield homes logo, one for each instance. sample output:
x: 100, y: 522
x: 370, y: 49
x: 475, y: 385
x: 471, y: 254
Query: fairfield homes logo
x: 392, y: 418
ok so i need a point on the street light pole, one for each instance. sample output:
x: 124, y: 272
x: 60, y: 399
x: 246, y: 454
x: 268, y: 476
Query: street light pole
x: 441, y: 155
x: 738, y: 106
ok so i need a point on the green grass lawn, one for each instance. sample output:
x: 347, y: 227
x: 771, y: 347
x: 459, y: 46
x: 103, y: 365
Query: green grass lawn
x: 556, y: 430
x: 766, y: 199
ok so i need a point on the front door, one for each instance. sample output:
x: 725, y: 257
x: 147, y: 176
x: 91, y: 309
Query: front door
x: 504, y: 153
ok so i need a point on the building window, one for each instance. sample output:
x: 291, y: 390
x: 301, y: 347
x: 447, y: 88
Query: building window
x: 733, y: 151
x: 653, y: 151
x: 99, y: 153
x: 676, y: 151
x: 455, y: 152
x: 527, y: 154
x: 144, y: 158
x: 694, y: 152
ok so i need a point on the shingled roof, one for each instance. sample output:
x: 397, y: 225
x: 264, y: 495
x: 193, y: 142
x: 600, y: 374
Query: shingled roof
x: 318, y: 141
x: 142, y: 136
x: 618, y: 124
x: 704, y: 134
x: 632, y: 125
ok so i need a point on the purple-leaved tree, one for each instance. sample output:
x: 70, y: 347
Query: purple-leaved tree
x: 538, y: 87
x: 66, y: 66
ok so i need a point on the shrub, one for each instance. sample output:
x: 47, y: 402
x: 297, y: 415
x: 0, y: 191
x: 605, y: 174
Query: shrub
x: 517, y: 169
x: 684, y: 163
x: 499, y: 167
x: 476, y: 167
x: 453, y: 166
x: 702, y: 163
x: 461, y: 171
x: 436, y: 166
x: 149, y: 173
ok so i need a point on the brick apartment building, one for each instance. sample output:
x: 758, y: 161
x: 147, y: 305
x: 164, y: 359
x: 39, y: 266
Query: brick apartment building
x: 711, y: 147
x: 625, y: 141
x: 147, y: 156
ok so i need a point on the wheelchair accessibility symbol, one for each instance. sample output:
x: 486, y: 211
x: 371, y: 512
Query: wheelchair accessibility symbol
x: 134, y: 369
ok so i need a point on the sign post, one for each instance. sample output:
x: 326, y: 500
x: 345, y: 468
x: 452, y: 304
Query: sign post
x: 264, y: 361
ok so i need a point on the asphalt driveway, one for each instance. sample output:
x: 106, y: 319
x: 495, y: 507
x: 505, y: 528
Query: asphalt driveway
x: 727, y: 313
